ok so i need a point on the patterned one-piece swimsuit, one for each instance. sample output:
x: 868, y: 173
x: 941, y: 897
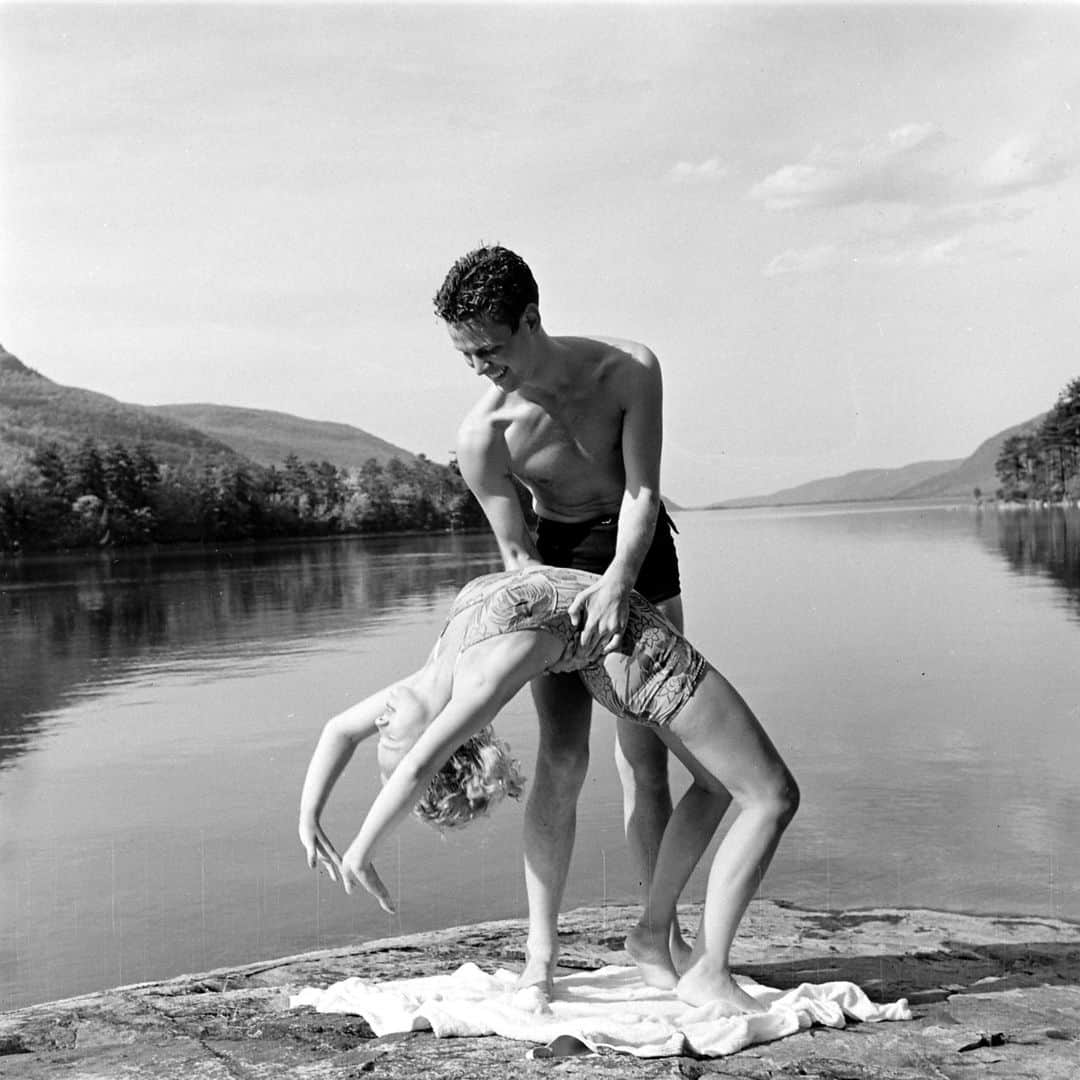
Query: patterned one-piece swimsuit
x: 648, y: 679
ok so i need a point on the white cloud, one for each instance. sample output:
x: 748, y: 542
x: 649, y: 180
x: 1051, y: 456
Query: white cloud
x: 943, y: 208
x: 945, y: 252
x: 805, y: 261
x: 1028, y: 161
x: 871, y: 250
x: 689, y: 172
x: 895, y: 169
x: 904, y: 167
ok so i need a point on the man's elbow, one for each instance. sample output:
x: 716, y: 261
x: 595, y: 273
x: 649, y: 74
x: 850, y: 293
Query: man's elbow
x: 644, y: 497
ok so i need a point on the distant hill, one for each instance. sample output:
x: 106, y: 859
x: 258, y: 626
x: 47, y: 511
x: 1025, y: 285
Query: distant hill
x: 955, y: 479
x: 35, y: 410
x: 269, y: 437
x: 858, y: 485
x: 976, y: 471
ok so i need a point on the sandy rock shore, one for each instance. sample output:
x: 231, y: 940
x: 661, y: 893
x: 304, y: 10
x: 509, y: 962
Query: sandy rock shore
x: 992, y: 997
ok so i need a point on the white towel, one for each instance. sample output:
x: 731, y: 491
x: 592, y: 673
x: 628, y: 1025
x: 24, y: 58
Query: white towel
x: 610, y: 1008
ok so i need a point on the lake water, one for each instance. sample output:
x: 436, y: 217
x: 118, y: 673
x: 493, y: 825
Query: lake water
x: 917, y: 667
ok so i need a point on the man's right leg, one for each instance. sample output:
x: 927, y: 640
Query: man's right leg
x: 564, y: 710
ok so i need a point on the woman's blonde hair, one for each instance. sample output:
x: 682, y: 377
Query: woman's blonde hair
x: 478, y: 776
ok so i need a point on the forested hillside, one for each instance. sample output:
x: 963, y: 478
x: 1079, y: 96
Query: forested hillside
x: 35, y: 410
x: 267, y: 437
x: 81, y: 469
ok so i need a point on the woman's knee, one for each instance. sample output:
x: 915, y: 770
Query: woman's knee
x: 785, y: 798
x: 776, y: 799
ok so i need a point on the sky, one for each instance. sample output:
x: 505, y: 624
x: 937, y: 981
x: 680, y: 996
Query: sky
x: 849, y: 233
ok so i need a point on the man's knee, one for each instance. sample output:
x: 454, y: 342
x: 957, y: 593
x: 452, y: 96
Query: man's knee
x: 564, y: 712
x: 561, y: 766
x: 641, y: 758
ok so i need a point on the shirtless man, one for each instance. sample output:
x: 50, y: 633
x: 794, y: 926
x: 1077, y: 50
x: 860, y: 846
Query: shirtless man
x: 578, y: 421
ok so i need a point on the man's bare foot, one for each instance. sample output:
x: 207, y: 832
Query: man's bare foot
x: 698, y: 987
x: 652, y: 958
x: 680, y: 950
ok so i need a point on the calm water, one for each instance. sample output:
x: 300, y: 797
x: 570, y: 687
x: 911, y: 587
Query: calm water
x: 917, y: 667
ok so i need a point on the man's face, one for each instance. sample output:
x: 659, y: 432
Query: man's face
x: 491, y: 349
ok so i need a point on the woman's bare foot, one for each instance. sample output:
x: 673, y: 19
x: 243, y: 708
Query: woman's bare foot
x: 652, y: 958
x: 698, y: 987
x: 680, y: 950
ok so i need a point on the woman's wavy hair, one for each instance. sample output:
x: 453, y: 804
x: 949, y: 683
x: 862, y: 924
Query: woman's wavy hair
x: 478, y: 776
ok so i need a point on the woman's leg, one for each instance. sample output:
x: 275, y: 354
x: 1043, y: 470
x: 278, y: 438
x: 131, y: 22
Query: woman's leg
x: 721, y: 742
x: 641, y: 757
x: 689, y: 830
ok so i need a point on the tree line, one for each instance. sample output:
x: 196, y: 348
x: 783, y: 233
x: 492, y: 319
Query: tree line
x: 60, y: 498
x: 1044, y: 465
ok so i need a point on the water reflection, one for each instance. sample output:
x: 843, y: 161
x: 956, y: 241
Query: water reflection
x: 69, y: 625
x: 1043, y: 541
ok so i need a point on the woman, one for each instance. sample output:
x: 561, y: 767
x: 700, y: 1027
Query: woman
x: 436, y: 753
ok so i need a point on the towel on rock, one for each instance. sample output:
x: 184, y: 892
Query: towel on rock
x: 610, y: 1008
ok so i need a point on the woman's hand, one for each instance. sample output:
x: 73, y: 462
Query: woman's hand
x: 320, y: 852
x: 363, y: 874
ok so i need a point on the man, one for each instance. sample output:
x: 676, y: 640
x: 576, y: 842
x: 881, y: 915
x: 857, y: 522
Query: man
x: 578, y: 421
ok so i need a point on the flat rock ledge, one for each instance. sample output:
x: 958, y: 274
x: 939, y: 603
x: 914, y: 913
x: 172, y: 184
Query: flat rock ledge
x: 992, y: 997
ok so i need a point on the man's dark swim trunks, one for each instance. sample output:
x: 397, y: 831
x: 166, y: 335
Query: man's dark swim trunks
x: 590, y: 545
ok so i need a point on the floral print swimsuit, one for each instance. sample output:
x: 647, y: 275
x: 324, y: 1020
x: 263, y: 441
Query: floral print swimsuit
x: 648, y: 679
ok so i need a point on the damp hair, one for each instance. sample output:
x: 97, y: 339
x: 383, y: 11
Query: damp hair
x: 491, y: 282
x: 478, y: 776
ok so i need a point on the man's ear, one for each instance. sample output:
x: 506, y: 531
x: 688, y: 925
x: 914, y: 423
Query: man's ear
x: 530, y: 317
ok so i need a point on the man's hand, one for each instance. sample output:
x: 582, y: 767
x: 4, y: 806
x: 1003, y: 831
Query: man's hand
x: 600, y: 613
x: 320, y: 852
x: 364, y: 875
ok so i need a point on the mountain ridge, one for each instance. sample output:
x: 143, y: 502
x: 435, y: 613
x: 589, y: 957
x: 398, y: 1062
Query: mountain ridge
x: 955, y: 478
x: 263, y: 434
x: 35, y: 410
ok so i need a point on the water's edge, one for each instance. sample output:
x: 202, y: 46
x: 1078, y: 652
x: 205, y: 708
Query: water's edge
x: 963, y: 974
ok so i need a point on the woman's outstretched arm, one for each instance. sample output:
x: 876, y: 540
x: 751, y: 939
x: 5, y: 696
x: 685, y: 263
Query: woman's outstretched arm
x: 485, y: 680
x: 339, y: 739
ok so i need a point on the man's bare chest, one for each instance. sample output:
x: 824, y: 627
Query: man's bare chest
x: 543, y: 445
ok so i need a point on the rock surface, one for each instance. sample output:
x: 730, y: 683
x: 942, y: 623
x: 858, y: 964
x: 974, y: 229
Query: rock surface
x: 992, y: 997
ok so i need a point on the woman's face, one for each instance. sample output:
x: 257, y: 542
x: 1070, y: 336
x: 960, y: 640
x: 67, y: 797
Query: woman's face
x: 402, y: 722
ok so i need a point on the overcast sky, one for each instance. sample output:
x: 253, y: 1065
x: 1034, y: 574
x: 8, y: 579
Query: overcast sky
x: 851, y: 234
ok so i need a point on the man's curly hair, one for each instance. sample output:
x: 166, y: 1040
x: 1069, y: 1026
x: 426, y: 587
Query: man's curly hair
x: 478, y: 776
x: 491, y: 282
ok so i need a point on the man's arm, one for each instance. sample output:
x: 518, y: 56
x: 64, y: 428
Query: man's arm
x: 484, y: 460
x: 607, y: 603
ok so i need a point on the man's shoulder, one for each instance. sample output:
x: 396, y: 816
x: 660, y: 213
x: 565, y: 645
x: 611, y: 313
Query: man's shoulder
x: 485, y: 424
x: 492, y: 411
x: 617, y: 349
x: 479, y: 423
